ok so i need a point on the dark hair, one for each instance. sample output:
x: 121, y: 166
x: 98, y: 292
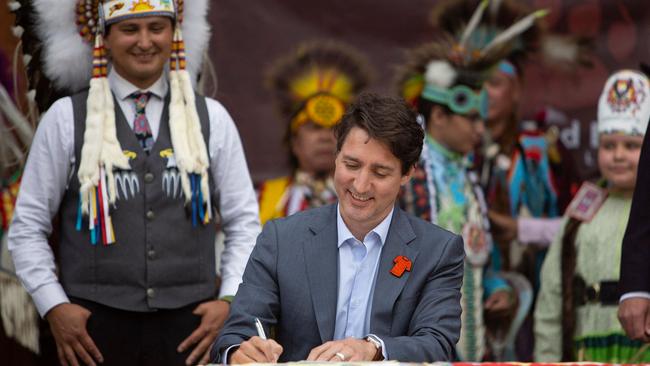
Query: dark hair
x: 387, y: 119
x: 425, y: 107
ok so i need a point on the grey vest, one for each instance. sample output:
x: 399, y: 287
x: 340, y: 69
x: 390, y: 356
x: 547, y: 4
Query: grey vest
x: 159, y: 261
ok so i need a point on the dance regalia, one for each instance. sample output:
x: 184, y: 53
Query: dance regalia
x: 444, y: 192
x: 598, y: 335
x: 285, y: 196
x: 524, y: 182
x: 19, y: 329
x: 8, y: 193
x: 576, y: 316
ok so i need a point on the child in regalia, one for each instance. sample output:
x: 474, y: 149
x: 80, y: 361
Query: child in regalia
x: 576, y: 313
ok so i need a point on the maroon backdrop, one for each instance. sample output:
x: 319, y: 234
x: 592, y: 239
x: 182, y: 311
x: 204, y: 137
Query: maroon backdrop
x: 247, y: 37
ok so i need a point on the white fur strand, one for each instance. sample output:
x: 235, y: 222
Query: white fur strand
x: 195, y: 136
x: 111, y: 155
x: 88, y: 173
x: 178, y: 131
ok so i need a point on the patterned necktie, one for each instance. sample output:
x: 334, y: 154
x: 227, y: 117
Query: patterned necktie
x: 140, y: 124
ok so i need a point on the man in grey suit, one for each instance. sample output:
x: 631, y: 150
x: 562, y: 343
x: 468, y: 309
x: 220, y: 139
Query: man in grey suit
x: 360, y: 280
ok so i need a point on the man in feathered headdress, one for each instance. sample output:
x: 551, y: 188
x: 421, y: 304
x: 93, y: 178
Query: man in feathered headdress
x: 444, y: 81
x: 136, y: 167
x: 518, y: 162
x: 312, y: 86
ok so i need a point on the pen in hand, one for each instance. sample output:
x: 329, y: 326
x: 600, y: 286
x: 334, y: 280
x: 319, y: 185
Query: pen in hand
x: 260, y: 329
x: 269, y: 348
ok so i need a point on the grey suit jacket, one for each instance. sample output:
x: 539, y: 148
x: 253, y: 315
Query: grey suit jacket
x: 291, y: 285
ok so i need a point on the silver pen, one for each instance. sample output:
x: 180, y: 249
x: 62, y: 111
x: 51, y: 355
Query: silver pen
x: 260, y: 329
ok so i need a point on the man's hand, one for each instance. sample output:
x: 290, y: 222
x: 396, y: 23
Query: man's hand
x: 213, y: 315
x: 505, y: 227
x: 257, y: 350
x: 499, y: 303
x: 352, y: 350
x: 68, y: 324
x: 634, y: 315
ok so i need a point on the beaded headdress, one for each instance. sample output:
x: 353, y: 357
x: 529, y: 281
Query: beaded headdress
x: 624, y: 105
x: 70, y: 36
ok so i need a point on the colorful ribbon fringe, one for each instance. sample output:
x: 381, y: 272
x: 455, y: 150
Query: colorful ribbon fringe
x: 99, y: 219
x: 8, y: 194
x: 199, y: 212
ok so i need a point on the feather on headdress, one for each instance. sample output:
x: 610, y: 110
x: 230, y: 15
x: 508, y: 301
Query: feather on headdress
x: 515, y: 21
x: 443, y: 65
x: 466, y: 48
x: 317, y: 81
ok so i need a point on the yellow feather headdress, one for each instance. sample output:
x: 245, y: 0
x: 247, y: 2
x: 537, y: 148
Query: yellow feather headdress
x: 317, y: 81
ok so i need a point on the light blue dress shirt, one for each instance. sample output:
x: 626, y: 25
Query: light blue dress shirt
x: 358, y: 263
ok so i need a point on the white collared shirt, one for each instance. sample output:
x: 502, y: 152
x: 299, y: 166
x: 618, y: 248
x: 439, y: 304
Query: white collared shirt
x: 358, y: 264
x: 122, y: 90
x: 50, y: 166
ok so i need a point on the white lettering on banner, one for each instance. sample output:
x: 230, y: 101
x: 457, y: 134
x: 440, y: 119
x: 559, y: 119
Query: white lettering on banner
x: 582, y: 148
x: 571, y: 136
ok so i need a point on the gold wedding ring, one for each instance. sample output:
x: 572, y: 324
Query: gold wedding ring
x: 340, y: 355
